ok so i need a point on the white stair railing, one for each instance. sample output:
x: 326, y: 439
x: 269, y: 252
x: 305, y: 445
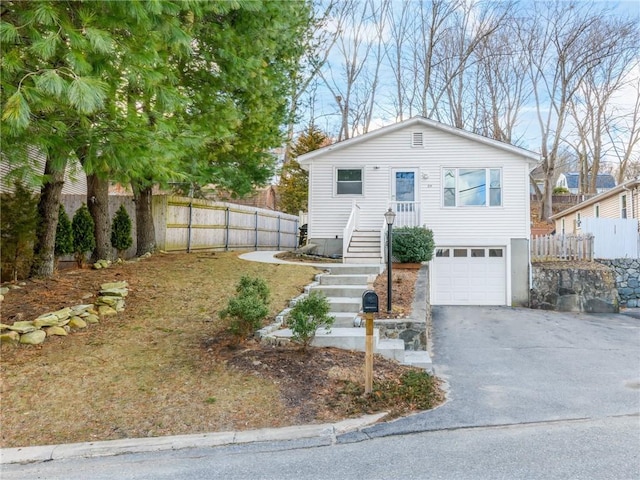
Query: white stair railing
x: 407, y: 214
x: 352, y: 225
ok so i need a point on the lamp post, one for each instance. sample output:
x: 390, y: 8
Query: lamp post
x: 389, y: 216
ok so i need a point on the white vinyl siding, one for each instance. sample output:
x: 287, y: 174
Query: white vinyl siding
x: 379, y: 155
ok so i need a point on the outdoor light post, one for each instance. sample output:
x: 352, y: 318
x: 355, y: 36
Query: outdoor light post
x: 389, y: 216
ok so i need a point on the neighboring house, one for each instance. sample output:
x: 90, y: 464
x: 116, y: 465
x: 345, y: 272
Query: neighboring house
x: 75, y: 181
x: 265, y: 197
x: 621, y: 202
x: 571, y: 181
x: 472, y: 191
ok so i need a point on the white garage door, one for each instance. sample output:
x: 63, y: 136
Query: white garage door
x: 469, y: 276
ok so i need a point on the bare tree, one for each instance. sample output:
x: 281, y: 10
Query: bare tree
x: 593, y: 109
x: 623, y: 131
x: 564, y: 46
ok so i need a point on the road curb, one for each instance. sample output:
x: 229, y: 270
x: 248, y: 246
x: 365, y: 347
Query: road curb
x: 177, y: 442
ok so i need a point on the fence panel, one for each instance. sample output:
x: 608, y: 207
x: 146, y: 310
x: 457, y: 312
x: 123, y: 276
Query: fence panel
x: 562, y: 247
x: 195, y: 224
x: 614, y: 237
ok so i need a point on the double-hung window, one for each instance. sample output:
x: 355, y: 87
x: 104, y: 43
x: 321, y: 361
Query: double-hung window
x: 623, y: 205
x: 472, y: 187
x: 349, y: 181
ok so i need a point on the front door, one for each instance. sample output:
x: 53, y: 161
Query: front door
x: 403, y: 197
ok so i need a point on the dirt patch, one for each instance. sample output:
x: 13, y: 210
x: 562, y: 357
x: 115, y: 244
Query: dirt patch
x: 165, y: 367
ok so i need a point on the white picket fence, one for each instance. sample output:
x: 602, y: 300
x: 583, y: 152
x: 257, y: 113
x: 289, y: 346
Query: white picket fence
x: 546, y: 248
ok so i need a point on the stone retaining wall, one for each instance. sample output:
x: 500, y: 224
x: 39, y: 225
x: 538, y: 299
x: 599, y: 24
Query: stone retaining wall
x: 586, y: 288
x: 627, y: 273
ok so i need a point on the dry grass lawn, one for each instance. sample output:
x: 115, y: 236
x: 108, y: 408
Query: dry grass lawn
x: 166, y: 366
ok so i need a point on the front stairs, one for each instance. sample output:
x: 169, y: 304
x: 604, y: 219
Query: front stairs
x: 343, y: 287
x: 364, y: 247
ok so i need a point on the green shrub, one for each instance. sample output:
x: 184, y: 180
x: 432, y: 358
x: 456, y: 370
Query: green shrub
x: 17, y: 229
x: 307, y: 316
x: 83, y: 237
x: 121, y: 238
x: 64, y: 235
x: 248, y: 308
x: 560, y: 191
x: 412, y: 244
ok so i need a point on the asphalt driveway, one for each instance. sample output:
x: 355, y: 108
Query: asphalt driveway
x: 508, y: 366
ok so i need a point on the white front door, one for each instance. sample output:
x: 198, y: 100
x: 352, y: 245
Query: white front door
x: 404, y: 198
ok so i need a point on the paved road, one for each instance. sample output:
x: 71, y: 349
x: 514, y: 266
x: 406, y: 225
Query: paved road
x: 515, y: 365
x: 533, y: 394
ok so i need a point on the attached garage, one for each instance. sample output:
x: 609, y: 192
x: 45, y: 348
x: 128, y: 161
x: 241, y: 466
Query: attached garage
x: 469, y: 276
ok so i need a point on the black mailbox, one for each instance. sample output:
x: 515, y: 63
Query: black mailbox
x: 369, y: 302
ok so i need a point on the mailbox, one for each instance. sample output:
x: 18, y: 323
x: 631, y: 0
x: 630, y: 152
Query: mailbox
x: 369, y: 302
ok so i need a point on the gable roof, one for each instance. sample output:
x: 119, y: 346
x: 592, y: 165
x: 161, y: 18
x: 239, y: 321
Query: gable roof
x: 603, y: 180
x: 629, y: 184
x: 305, y: 159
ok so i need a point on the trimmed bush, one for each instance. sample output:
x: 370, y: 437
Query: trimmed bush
x: 246, y: 311
x: 121, y: 238
x: 412, y: 244
x: 64, y: 235
x: 83, y: 238
x: 307, y: 316
x: 18, y: 225
x: 561, y: 191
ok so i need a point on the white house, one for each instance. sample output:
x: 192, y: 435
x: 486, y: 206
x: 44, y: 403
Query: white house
x: 472, y: 191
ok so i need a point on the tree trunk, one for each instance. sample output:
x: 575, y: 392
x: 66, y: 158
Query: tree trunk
x: 98, y: 204
x: 48, y: 204
x: 145, y: 231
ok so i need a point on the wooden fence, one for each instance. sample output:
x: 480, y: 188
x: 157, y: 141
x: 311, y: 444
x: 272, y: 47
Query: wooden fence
x: 562, y: 247
x: 184, y: 225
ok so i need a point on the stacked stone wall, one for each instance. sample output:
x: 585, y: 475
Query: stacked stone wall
x: 574, y: 288
x: 627, y: 276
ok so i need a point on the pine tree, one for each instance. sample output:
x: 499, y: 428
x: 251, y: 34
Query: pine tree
x: 64, y: 235
x: 294, y: 181
x: 83, y: 239
x: 121, y: 238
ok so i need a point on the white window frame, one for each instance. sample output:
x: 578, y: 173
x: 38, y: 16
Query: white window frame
x: 335, y: 182
x: 487, y: 204
x: 624, y: 205
x: 596, y: 210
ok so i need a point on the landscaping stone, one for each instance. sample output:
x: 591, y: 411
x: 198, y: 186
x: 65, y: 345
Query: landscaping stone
x: 3, y: 327
x: 47, y: 320
x: 91, y: 319
x: 10, y: 337
x: 77, y: 322
x: 33, y: 338
x: 23, y: 327
x: 105, y: 310
x: 4, y: 290
x: 51, y: 331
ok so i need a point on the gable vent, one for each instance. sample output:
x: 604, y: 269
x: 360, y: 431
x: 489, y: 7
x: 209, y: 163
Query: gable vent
x: 417, y: 139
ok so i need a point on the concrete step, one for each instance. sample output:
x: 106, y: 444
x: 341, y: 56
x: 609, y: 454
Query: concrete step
x: 365, y: 241
x: 361, y: 249
x: 345, y: 304
x: 366, y: 233
x: 419, y: 359
x: 344, y: 279
x: 374, y: 268
x: 391, y: 348
x: 363, y: 260
x: 344, y: 319
x: 340, y: 290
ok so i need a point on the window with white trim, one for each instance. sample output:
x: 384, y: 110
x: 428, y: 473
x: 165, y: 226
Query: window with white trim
x: 596, y: 210
x: 623, y: 205
x: 349, y: 181
x: 472, y: 187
